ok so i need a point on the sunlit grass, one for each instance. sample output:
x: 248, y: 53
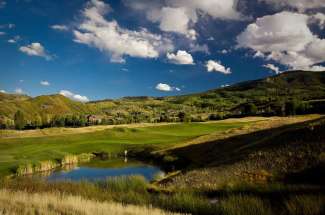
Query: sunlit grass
x: 16, y: 151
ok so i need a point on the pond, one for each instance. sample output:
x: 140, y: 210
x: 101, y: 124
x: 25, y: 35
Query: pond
x: 101, y: 170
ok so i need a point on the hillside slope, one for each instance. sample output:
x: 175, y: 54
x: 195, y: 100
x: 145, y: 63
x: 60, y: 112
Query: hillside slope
x: 294, y: 153
x: 31, y: 107
x: 269, y: 95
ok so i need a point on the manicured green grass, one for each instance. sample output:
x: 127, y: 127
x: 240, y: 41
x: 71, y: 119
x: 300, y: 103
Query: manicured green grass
x: 17, y: 151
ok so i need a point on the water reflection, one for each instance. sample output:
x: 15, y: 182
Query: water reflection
x: 102, y: 169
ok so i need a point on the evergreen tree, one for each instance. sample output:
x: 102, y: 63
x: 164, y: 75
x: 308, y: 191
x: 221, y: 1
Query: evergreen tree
x: 19, y: 120
x: 250, y: 109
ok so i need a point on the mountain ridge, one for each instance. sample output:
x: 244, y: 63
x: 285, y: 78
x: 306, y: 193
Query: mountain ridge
x: 269, y: 93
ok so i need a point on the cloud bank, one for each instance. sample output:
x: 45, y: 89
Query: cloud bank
x: 285, y: 38
x: 114, y: 40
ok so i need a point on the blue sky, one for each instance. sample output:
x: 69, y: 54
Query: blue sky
x: 97, y: 49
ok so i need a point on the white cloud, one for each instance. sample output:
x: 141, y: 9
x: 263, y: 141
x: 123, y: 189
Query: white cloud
x: 222, y: 9
x: 316, y: 68
x: 181, y: 57
x: 75, y: 97
x: 167, y: 17
x: 3, y: 91
x: 259, y: 54
x: 320, y: 19
x: 14, y: 40
x: 272, y: 67
x: 300, y: 5
x: 224, y: 51
x: 166, y: 87
x: 286, y: 38
x: 110, y: 38
x: 224, y: 85
x: 19, y: 91
x: 35, y: 49
x: 60, y: 27
x: 214, y: 66
x: 45, y: 83
x: 180, y: 16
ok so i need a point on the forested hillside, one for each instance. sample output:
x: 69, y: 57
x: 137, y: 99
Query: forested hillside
x: 290, y: 93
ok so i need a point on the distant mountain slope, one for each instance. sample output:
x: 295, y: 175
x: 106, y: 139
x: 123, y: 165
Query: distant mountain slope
x: 300, y: 84
x: 265, y: 94
x: 51, y: 104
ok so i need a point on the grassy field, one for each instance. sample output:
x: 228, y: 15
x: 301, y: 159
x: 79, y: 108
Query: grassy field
x: 230, y: 164
x: 21, y: 148
x: 15, y: 151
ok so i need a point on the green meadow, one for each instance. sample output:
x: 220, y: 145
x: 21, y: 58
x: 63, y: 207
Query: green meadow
x: 16, y: 151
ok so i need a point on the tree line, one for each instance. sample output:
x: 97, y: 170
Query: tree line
x: 252, y: 108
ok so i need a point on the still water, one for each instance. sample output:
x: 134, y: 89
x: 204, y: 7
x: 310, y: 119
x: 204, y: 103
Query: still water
x: 101, y: 170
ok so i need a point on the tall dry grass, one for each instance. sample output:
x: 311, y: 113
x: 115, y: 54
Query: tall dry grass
x: 23, y: 203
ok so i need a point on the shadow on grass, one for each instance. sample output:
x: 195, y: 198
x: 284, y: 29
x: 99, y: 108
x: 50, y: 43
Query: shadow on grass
x: 228, y: 151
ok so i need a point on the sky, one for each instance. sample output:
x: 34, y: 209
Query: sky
x: 99, y: 49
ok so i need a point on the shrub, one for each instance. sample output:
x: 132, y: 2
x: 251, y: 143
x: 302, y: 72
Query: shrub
x: 45, y: 166
x: 25, y: 169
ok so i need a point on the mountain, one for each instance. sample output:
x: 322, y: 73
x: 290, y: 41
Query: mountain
x: 265, y: 96
x: 51, y: 104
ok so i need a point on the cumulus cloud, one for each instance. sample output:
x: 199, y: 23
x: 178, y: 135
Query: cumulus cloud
x: 110, y: 38
x: 45, y: 83
x: 181, y: 57
x: 272, y: 67
x: 19, y: 91
x: 35, y: 49
x: 180, y: 16
x: 300, y: 5
x: 73, y: 96
x: 167, y: 17
x: 214, y: 66
x: 286, y: 38
x: 3, y: 91
x: 166, y: 87
x: 60, y: 27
